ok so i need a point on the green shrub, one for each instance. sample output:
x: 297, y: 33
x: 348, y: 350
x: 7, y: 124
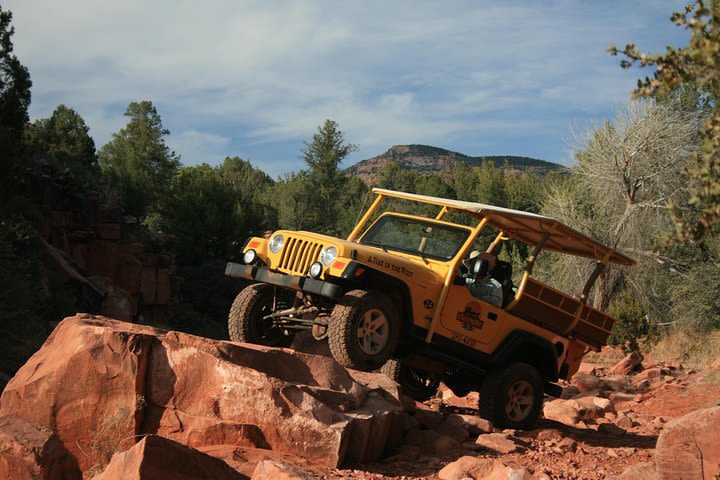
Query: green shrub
x: 633, y: 322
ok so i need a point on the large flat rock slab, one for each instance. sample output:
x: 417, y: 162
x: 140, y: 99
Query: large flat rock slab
x: 102, y: 384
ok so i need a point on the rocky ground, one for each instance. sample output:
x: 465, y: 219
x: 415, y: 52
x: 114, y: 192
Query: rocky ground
x: 106, y: 399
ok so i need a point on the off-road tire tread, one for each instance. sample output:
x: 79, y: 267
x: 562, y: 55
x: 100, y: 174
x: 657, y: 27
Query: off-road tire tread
x: 391, y: 369
x: 492, y: 405
x: 341, y: 335
x: 245, y: 301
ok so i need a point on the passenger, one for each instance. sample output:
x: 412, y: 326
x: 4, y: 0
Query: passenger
x: 485, y: 288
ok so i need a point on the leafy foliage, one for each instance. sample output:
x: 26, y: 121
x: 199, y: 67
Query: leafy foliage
x: 632, y: 320
x: 626, y: 172
x: 64, y: 143
x: 138, y: 161
x: 696, y: 65
x: 696, y: 299
x: 14, y: 102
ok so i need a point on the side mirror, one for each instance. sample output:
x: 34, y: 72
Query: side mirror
x: 480, y: 267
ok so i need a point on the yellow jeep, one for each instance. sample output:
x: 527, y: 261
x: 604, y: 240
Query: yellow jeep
x: 400, y: 294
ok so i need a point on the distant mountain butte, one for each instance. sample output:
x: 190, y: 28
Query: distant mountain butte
x: 427, y: 159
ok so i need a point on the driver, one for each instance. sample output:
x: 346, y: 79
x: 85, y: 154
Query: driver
x: 486, y: 288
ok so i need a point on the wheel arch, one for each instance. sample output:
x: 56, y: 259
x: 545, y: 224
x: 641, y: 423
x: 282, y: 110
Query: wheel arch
x: 373, y: 279
x: 523, y: 346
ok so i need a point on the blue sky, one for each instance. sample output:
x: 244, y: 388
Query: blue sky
x: 256, y: 78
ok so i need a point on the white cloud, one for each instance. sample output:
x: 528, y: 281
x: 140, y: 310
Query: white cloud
x: 241, y: 77
x: 199, y: 147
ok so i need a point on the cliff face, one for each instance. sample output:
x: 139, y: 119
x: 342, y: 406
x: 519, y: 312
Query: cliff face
x: 427, y: 159
x: 116, y: 266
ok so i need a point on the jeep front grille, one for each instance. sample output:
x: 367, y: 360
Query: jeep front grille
x: 298, y: 255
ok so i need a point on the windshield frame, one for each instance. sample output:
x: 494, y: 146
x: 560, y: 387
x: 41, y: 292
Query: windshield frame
x: 419, y: 220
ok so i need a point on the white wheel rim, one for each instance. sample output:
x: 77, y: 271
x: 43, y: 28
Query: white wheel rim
x: 519, y: 400
x: 373, y: 332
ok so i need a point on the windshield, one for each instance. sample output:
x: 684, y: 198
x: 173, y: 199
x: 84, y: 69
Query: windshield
x: 410, y: 235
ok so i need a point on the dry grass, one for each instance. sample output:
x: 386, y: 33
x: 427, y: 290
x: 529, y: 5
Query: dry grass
x: 694, y: 349
x: 111, y: 436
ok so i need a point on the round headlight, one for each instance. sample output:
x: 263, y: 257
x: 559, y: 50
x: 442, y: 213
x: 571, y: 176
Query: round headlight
x: 328, y: 255
x: 315, y: 270
x: 250, y: 256
x: 276, y: 243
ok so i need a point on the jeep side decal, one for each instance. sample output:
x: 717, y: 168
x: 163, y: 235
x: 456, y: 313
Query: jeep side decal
x: 385, y: 264
x: 470, y: 317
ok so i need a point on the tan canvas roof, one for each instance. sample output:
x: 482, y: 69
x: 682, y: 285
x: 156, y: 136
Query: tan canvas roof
x: 527, y: 227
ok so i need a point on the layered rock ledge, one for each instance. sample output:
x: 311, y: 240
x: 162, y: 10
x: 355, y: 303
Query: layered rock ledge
x: 102, y: 385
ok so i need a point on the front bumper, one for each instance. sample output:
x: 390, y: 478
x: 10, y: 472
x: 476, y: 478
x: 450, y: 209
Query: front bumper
x: 294, y: 282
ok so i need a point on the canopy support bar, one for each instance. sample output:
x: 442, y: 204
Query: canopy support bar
x: 361, y: 224
x: 452, y: 271
x: 528, y: 269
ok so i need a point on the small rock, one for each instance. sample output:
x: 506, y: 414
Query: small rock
x: 612, y: 453
x: 563, y: 411
x: 272, y: 470
x: 567, y: 445
x: 596, y: 403
x: 659, y: 422
x: 474, y: 425
x: 569, y: 392
x: 617, y: 397
x: 624, y: 422
x: 649, y: 374
x: 643, y: 385
x: 497, y: 442
x: 546, y: 435
x: 619, y: 383
x: 587, y: 382
x: 628, y: 364
x: 469, y: 467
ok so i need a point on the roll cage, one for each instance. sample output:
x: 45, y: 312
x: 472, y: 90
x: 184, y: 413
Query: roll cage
x: 536, y: 231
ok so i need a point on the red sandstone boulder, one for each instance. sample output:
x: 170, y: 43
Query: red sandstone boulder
x: 157, y: 458
x: 30, y: 451
x: 497, y: 442
x: 689, y: 447
x: 473, y: 424
x: 563, y: 411
x: 628, y: 364
x: 100, y: 382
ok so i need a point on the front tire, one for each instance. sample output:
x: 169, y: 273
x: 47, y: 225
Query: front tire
x: 511, y: 397
x: 364, y: 330
x: 245, y: 322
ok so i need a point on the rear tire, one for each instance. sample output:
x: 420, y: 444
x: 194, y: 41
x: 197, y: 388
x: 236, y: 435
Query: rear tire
x: 245, y: 322
x: 511, y: 397
x: 414, y: 383
x: 364, y: 330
